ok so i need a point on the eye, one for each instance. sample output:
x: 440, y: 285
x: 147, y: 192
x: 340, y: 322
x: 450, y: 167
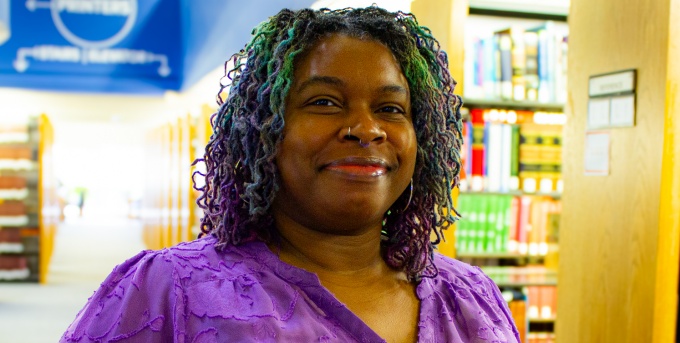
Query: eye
x: 322, y: 102
x: 391, y: 109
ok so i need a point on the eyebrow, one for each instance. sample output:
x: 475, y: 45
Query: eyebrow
x: 314, y: 80
x: 393, y: 89
x: 334, y: 81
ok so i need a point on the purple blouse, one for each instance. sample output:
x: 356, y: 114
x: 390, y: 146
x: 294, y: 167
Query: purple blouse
x: 195, y: 293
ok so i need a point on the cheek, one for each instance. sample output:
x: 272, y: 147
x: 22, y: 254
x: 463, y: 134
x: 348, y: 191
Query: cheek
x: 408, y: 145
x: 299, y: 145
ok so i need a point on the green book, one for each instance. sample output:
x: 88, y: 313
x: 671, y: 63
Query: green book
x: 514, y: 158
x: 506, y: 209
x: 479, y: 229
x: 463, y: 224
x: 492, y: 220
x: 500, y: 220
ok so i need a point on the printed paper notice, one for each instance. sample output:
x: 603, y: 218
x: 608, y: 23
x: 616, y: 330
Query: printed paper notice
x: 597, y: 153
x: 598, y: 113
x: 622, y: 111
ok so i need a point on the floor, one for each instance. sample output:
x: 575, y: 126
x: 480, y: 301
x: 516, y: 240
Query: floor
x: 85, y: 252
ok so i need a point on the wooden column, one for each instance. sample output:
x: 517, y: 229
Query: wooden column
x: 619, y: 233
x: 668, y: 251
x: 446, y: 20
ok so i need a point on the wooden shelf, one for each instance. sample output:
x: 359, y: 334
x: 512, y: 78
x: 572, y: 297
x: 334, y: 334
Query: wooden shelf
x: 510, y: 104
x: 530, y: 9
x: 521, y: 276
x: 498, y: 255
x: 554, y: 195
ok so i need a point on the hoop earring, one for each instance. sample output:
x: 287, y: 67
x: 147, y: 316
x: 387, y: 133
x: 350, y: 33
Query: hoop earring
x: 410, y: 196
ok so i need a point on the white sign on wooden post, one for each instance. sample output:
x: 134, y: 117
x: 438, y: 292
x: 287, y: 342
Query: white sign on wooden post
x: 597, y: 153
x: 611, y: 100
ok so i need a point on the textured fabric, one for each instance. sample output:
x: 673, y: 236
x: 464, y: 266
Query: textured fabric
x: 194, y: 293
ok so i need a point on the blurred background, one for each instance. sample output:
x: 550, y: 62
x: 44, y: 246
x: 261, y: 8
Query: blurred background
x: 105, y: 104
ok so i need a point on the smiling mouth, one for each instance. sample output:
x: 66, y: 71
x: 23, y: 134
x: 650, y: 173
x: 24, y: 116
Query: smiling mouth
x: 359, y: 167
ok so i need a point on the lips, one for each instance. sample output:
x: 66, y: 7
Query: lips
x: 359, y: 166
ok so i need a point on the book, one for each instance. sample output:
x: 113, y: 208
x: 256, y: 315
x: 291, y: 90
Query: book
x: 491, y: 63
x: 546, y: 61
x: 504, y: 65
x: 513, y: 181
x: 529, y: 156
x: 477, y: 155
x: 466, y: 156
x: 518, y: 63
x: 479, y: 232
x: 462, y: 226
x: 494, y: 156
x: 531, y: 74
x: 13, y: 267
x: 523, y: 225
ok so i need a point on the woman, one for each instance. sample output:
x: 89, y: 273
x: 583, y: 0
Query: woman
x: 328, y: 174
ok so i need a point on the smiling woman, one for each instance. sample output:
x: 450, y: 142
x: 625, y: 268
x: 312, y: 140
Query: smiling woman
x: 328, y: 174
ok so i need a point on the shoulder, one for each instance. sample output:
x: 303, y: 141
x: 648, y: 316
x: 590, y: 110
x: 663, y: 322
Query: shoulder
x: 474, y: 297
x: 451, y: 267
x: 463, y: 278
x: 203, y: 260
x: 143, y: 296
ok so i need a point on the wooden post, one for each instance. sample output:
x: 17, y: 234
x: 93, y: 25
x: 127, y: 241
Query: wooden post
x: 446, y: 20
x: 619, y: 233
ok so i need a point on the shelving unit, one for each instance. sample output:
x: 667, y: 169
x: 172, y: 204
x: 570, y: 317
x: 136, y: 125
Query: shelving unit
x: 28, y: 202
x: 511, y: 198
x: 170, y: 212
x: 516, y: 105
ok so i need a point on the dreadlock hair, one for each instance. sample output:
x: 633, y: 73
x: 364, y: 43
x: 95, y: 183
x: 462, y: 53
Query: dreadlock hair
x: 242, y: 180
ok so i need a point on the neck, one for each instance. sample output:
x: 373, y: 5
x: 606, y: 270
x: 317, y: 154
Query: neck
x: 327, y: 252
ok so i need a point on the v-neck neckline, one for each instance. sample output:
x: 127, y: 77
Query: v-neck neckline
x: 333, y: 308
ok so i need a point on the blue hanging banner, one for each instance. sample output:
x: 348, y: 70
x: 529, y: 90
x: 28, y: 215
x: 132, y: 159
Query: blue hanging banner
x: 126, y: 46
x: 123, y: 46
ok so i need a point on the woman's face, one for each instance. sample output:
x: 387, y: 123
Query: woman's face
x: 329, y: 181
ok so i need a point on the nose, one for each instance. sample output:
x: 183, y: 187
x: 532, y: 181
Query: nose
x: 363, y: 127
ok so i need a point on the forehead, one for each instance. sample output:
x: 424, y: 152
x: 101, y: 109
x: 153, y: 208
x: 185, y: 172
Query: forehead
x: 343, y: 55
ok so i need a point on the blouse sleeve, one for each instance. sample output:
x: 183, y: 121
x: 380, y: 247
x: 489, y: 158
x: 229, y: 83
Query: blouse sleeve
x: 139, y: 300
x: 505, y: 311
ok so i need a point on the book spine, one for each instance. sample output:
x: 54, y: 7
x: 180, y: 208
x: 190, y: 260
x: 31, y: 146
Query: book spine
x: 531, y: 76
x: 477, y: 155
x: 529, y: 157
x: 482, y: 224
x: 505, y: 65
x: 519, y: 63
x: 501, y: 241
x: 491, y: 84
x: 548, y: 299
x: 524, y: 224
x: 494, y: 147
x: 463, y: 224
x: 473, y: 224
x: 506, y: 157
x: 513, y: 225
x: 513, y: 183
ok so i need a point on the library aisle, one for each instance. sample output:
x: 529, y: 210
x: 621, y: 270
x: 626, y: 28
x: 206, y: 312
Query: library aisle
x: 86, y: 250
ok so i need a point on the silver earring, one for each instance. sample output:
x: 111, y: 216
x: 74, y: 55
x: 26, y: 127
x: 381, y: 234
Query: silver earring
x: 410, y: 196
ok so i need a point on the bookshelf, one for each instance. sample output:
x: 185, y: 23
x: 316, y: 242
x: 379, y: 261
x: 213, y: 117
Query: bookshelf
x: 510, y: 196
x: 170, y: 212
x: 517, y: 105
x: 28, y: 203
x: 488, y: 192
